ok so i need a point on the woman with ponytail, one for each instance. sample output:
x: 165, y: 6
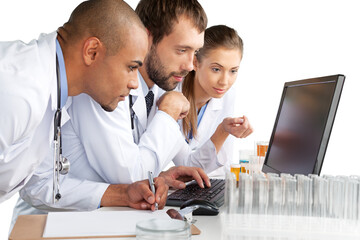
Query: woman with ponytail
x: 208, y: 88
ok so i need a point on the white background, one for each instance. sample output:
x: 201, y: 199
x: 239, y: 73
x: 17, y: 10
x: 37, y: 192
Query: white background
x: 284, y: 41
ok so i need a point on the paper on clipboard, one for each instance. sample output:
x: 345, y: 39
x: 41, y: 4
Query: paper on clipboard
x: 96, y: 223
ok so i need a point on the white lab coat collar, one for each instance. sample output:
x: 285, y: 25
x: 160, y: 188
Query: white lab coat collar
x: 64, y: 113
x: 212, y: 110
x: 215, y: 104
x: 138, y: 101
x: 53, y: 92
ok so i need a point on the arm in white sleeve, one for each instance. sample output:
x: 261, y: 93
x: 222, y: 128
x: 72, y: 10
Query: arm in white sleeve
x: 11, y: 144
x: 18, y: 123
x: 108, y: 141
x: 81, y: 189
x: 76, y: 194
x: 205, y: 156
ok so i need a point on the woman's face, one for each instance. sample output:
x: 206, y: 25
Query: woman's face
x: 217, y: 71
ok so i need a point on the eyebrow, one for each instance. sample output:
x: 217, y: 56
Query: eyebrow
x: 217, y: 64
x: 223, y: 66
x: 138, y: 62
x: 184, y: 46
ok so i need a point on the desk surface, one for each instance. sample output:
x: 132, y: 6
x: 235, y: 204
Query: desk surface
x: 242, y: 227
x: 210, y: 226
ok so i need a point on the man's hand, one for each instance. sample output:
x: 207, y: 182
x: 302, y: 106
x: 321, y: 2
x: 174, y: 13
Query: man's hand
x: 136, y: 195
x: 176, y: 176
x: 175, y: 104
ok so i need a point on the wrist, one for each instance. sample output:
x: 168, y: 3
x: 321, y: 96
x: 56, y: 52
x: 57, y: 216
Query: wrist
x: 116, y: 195
x: 219, y: 137
x: 174, y: 113
x: 222, y: 130
x: 161, y: 174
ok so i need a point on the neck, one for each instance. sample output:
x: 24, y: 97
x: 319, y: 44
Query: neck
x: 146, y: 78
x: 201, y: 97
x: 75, y: 87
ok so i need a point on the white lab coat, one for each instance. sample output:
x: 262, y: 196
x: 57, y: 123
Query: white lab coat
x: 201, y: 151
x: 28, y: 100
x: 101, y: 149
x: 80, y: 181
x: 109, y: 141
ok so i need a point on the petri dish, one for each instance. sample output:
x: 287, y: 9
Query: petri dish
x: 167, y: 229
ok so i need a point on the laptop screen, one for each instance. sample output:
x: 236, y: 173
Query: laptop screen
x: 303, y: 125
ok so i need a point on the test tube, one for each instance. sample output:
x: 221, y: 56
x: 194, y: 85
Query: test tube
x: 253, y: 164
x: 288, y: 187
x: 351, y: 199
x: 357, y: 210
x: 282, y: 175
x: 260, y: 194
x: 245, y: 194
x: 303, y: 200
x: 320, y: 197
x: 329, y: 199
x: 275, y: 195
x: 272, y: 175
x: 230, y: 192
x: 336, y: 195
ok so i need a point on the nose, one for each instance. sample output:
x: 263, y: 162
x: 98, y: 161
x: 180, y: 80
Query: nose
x: 133, y: 83
x: 224, y: 79
x: 188, y: 65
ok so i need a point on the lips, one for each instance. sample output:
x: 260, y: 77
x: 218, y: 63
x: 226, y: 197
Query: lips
x: 178, y: 78
x: 219, y: 90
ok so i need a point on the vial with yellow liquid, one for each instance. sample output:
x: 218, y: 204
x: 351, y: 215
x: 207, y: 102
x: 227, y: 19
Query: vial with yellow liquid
x: 235, y: 168
x: 242, y: 167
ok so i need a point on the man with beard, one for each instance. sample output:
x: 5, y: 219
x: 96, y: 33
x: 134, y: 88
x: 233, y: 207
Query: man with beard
x: 109, y: 148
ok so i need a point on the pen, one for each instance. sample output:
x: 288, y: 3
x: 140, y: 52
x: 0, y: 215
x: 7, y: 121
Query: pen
x: 152, y: 186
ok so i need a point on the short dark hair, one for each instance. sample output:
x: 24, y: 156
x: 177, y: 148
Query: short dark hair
x: 104, y: 19
x: 159, y: 16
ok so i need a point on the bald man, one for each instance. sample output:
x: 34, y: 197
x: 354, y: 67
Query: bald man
x: 97, y: 52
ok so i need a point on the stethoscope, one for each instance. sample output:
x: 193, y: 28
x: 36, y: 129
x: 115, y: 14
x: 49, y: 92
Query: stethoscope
x: 61, y: 164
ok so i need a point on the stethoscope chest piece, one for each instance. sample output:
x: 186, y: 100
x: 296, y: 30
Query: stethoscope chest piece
x: 64, y: 165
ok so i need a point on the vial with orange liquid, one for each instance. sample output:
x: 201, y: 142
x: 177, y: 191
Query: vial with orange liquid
x: 261, y: 148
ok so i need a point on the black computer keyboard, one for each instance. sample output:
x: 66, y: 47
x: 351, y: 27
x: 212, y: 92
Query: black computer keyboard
x: 214, y: 194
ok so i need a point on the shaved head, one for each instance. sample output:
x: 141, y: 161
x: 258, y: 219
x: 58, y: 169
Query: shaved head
x: 107, y: 20
x: 104, y: 43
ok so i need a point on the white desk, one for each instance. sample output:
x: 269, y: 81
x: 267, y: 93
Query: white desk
x: 32, y: 226
x: 239, y: 227
x: 210, y: 226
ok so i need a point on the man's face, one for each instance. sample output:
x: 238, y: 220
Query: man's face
x: 116, y: 75
x: 168, y: 62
